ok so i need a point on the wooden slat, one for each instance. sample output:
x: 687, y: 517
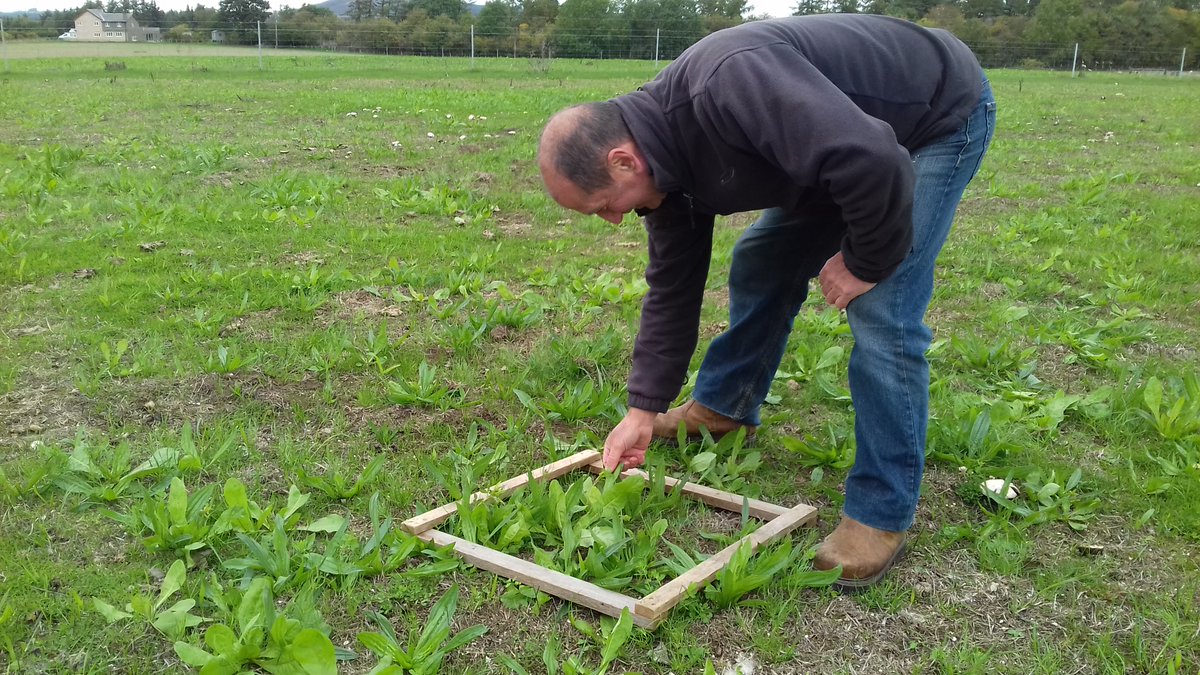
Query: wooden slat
x: 655, y: 606
x: 435, y: 517
x: 555, y: 583
x: 711, y: 496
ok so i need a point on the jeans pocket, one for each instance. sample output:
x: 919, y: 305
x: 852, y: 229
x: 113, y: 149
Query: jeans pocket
x: 981, y: 126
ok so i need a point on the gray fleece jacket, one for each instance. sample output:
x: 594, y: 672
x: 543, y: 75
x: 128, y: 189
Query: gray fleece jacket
x: 816, y: 114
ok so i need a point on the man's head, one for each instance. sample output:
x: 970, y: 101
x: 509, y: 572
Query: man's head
x: 591, y: 164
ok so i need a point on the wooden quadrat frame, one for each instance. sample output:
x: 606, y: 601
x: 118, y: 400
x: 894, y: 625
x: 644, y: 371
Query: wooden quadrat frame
x: 647, y: 612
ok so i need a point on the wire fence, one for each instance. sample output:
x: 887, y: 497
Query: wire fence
x: 463, y: 40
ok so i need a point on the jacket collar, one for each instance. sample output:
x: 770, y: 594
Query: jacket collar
x: 653, y: 135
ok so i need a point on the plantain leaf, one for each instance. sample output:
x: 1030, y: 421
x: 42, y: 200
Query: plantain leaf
x: 616, y: 640
x: 172, y: 582
x: 330, y: 523
x: 177, y: 502
x: 221, y: 639
x: 108, y: 611
x: 191, y: 655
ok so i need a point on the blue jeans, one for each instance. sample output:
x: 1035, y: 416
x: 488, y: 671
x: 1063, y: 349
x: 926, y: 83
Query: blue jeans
x: 773, y: 262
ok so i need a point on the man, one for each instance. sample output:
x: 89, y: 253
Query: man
x: 857, y: 135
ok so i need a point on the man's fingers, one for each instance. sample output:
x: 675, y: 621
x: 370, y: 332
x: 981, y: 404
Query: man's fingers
x: 612, y: 459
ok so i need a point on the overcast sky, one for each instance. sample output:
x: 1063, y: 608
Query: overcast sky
x: 771, y: 7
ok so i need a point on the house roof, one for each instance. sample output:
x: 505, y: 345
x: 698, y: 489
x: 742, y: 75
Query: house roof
x: 105, y: 16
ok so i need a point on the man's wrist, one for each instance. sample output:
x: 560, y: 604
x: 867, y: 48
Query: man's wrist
x: 641, y: 416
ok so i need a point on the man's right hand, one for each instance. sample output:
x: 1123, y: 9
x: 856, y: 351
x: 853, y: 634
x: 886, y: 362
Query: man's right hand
x: 627, y: 442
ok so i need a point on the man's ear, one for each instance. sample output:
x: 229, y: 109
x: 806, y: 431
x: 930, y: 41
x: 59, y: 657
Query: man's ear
x: 624, y: 157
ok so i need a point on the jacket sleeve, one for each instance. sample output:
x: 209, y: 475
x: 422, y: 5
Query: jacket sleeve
x: 773, y: 103
x: 680, y: 245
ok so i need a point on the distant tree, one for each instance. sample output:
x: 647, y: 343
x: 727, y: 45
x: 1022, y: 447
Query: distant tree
x: 22, y: 27
x: 57, y: 23
x: 239, y: 17
x: 949, y: 17
x: 376, y: 35
x: 676, y: 23
x: 1054, y: 21
x: 588, y: 29
x: 309, y: 26
x: 394, y: 9
x: 364, y: 10
x: 537, y: 14
x: 496, y: 26
x: 148, y: 13
x: 424, y: 34
x: 733, y: 9
x: 909, y: 9
x: 719, y: 14
x: 183, y: 33
x: 982, y: 9
x: 1184, y: 29
x: 1020, y: 7
x: 449, y: 8
x: 807, y: 7
x: 205, y: 19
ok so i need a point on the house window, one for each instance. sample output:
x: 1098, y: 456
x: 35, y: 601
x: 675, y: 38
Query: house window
x: 108, y: 33
x: 120, y: 34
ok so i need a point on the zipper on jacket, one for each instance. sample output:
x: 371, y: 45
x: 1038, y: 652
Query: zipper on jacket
x: 691, y: 208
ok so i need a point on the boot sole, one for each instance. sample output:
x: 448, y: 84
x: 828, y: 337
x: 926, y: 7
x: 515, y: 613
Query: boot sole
x: 852, y: 586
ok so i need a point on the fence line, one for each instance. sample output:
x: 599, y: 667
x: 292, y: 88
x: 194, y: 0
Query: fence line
x: 645, y: 44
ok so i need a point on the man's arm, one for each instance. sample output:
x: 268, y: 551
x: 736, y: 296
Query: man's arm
x: 680, y: 247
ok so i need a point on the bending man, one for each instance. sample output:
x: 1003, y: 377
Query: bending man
x: 856, y: 135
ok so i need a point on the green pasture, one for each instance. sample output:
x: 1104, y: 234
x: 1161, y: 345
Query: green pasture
x: 254, y: 318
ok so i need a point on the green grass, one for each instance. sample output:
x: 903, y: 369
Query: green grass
x: 193, y: 242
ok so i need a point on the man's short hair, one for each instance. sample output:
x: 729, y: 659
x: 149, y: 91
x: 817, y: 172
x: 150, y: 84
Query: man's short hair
x: 581, y: 154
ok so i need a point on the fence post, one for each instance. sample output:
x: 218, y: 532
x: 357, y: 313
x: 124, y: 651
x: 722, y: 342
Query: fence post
x: 258, y: 27
x: 657, y: 33
x: 1182, y: 58
x: 4, y: 44
x: 1074, y: 59
x: 472, y: 45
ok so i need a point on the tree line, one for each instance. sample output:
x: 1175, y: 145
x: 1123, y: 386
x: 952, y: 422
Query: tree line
x: 1004, y: 33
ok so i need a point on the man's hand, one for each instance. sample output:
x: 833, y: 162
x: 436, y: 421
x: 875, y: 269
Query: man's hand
x: 626, y: 443
x: 839, y: 285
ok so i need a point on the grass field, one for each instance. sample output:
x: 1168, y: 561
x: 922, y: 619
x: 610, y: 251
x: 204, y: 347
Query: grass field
x: 70, y: 50
x: 249, y: 317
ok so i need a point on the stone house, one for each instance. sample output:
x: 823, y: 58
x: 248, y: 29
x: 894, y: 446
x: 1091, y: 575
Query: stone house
x: 94, y: 25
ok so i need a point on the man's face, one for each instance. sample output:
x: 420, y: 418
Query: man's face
x: 628, y: 191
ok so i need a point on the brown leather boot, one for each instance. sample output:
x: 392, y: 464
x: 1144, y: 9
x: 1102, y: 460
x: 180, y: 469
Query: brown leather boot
x: 694, y: 416
x: 865, y: 553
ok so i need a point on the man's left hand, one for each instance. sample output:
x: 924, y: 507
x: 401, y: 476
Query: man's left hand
x: 839, y: 285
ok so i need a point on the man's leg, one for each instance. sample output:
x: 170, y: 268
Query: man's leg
x: 768, y: 281
x: 889, y: 375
